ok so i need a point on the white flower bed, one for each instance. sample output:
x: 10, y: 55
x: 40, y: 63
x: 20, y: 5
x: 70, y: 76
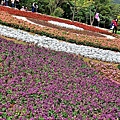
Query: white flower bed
x: 54, y: 44
x: 65, y: 25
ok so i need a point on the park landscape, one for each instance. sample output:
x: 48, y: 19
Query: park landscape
x: 37, y: 83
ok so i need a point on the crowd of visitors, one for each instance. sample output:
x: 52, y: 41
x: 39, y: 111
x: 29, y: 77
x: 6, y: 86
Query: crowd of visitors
x: 113, y: 26
x: 16, y: 4
x: 11, y: 3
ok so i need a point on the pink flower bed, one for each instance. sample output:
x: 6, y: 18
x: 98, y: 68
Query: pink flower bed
x: 48, y: 18
x: 33, y: 86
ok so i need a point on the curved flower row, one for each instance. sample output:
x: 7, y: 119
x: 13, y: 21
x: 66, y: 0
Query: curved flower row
x: 79, y: 38
x: 34, y: 86
x: 48, y: 18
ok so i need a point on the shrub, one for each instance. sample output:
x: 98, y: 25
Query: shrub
x: 118, y: 66
x: 71, y: 41
x: 58, y: 12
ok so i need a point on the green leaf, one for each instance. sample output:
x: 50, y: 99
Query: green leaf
x: 9, y: 91
x: 4, y: 115
x: 23, y: 79
x: 3, y: 109
x: 9, y: 118
x: 40, y: 118
x: 0, y: 96
x: 64, y: 114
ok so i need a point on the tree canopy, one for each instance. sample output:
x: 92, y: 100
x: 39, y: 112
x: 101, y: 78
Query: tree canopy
x: 79, y: 10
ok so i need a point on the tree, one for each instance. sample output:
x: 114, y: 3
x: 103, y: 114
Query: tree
x: 54, y: 4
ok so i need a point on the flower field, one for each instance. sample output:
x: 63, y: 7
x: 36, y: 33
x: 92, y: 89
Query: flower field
x: 37, y: 83
x: 34, y: 86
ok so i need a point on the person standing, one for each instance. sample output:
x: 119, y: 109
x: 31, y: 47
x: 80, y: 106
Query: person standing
x: 23, y: 8
x: 2, y: 2
x: 97, y: 19
x: 114, y: 23
x: 26, y: 9
x: 33, y: 7
x: 17, y: 4
x: 36, y: 7
x: 6, y: 2
x: 13, y: 3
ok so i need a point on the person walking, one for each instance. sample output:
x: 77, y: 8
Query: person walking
x: 33, y: 7
x: 114, y: 23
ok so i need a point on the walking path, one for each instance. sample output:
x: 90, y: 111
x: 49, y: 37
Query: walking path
x: 54, y: 44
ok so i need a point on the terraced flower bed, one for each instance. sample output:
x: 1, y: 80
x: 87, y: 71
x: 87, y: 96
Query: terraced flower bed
x: 68, y: 36
x: 34, y: 86
x: 44, y: 17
